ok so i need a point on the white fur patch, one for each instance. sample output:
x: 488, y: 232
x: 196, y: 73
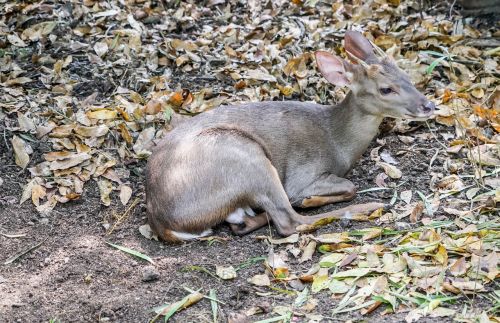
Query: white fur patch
x: 191, y: 236
x: 237, y: 216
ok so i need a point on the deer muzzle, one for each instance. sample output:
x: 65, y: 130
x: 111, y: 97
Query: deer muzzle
x: 428, y: 108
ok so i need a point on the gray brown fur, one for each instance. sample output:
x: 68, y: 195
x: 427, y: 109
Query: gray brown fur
x: 271, y: 155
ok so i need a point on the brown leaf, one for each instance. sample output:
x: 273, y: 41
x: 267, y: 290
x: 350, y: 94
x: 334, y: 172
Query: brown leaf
x: 125, y: 194
x: 348, y: 260
x: 102, y: 114
x: 21, y: 151
x: 391, y: 170
x: 459, y: 267
x: 191, y: 299
x: 25, y: 123
x: 416, y: 213
x: 260, y: 280
x: 38, y: 192
x: 72, y: 160
x: 308, y: 252
x: 96, y: 131
x: 105, y: 188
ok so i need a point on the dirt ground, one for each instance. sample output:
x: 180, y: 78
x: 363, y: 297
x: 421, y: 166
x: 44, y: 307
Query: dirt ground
x: 74, y: 276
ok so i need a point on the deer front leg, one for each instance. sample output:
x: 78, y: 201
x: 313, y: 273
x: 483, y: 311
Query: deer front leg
x: 326, y: 190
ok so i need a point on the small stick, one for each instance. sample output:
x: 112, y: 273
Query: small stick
x: 22, y: 253
x: 122, y: 217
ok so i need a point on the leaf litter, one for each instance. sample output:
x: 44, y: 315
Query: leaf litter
x: 96, y: 126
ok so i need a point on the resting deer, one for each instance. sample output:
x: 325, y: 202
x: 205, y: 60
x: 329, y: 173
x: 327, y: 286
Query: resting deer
x: 274, y: 156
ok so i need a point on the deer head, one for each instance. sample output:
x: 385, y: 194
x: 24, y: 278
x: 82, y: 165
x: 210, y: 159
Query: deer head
x: 379, y: 87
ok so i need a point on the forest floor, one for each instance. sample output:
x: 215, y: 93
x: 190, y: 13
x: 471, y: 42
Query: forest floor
x: 87, y: 66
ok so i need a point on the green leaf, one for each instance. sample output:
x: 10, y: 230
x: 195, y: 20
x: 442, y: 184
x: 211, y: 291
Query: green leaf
x: 132, y: 252
x: 302, y: 297
x: 388, y: 299
x: 175, y: 308
x: 331, y: 260
x: 427, y: 204
x: 319, y: 283
x: 168, y: 113
x: 214, y: 304
x: 356, y: 272
x: 435, y: 63
x: 338, y: 287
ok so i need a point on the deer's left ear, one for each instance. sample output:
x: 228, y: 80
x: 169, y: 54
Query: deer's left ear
x: 333, y: 68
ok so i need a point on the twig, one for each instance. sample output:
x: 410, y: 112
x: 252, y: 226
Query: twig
x: 22, y: 253
x: 451, y: 8
x: 122, y: 217
x: 6, y: 235
x: 434, y: 135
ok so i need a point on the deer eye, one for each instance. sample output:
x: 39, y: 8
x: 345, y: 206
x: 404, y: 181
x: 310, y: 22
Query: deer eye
x: 386, y: 90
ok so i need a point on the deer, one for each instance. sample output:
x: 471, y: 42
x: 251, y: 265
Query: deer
x: 256, y: 163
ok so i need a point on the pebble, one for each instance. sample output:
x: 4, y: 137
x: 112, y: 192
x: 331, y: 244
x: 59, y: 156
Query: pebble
x: 150, y: 274
x: 402, y: 226
x: 296, y: 284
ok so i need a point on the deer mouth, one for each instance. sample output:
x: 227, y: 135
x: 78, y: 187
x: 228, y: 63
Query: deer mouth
x: 423, y: 112
x: 421, y: 116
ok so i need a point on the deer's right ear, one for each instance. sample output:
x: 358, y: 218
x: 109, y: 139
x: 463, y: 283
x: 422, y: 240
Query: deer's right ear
x: 356, y: 44
x: 332, y: 68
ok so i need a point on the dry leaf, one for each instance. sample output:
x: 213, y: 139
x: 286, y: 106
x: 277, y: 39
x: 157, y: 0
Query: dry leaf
x: 105, y: 188
x: 101, y: 48
x: 102, y: 114
x: 72, y: 160
x: 96, y: 131
x: 308, y: 252
x: 459, y: 267
x: 25, y: 123
x: 416, y: 213
x: 260, y: 280
x: 21, y: 151
x: 468, y: 285
x: 226, y: 273
x: 125, y: 194
x: 27, y: 191
x: 406, y: 196
x: 391, y: 170
x: 290, y: 239
x: 37, y: 192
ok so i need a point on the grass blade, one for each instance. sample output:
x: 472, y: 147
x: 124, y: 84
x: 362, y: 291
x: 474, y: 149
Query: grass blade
x: 131, y: 252
x: 22, y: 253
x: 213, y: 303
x: 435, y: 63
x: 285, y: 318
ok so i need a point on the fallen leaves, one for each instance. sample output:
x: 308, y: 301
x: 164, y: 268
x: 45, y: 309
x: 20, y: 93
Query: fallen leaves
x: 363, y: 266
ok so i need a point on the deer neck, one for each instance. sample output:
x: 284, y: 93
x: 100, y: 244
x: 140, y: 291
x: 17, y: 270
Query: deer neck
x: 352, y: 130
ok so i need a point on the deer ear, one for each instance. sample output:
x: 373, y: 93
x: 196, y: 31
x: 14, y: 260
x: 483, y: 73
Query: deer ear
x: 332, y: 68
x: 356, y: 44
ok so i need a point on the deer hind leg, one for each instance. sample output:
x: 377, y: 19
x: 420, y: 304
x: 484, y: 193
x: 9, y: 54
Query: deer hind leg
x: 250, y: 223
x: 326, y: 190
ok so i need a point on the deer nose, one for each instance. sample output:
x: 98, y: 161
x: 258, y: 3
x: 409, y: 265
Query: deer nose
x: 428, y: 106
